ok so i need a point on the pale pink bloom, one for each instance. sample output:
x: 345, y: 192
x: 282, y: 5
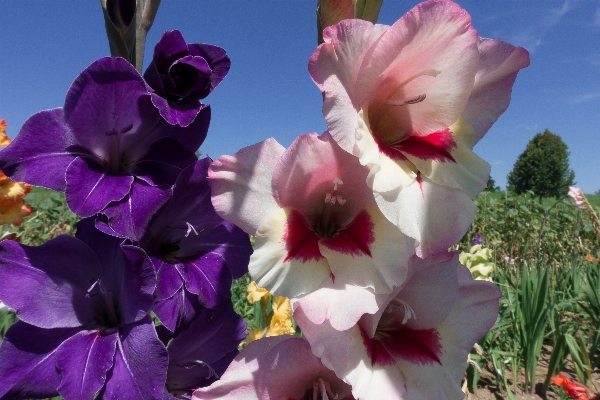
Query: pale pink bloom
x: 577, y: 196
x: 276, y: 368
x: 508, y: 259
x: 315, y: 222
x: 416, y: 345
x: 410, y: 101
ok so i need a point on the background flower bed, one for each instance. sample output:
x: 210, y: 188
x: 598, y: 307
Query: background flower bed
x: 547, y: 266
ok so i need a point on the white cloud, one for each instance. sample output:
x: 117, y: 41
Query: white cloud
x: 582, y: 98
x: 531, y: 36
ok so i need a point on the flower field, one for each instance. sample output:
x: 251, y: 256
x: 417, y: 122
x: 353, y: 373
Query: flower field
x: 546, y: 263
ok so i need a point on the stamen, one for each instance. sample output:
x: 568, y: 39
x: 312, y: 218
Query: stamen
x: 340, y: 200
x: 327, y: 197
x: 408, y: 311
x: 322, y: 386
x: 414, y: 100
x: 200, y: 363
x: 336, y: 182
x: 190, y: 228
x: 429, y: 72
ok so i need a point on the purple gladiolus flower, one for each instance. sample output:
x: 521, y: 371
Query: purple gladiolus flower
x: 195, y: 252
x: 201, y: 353
x: 84, y: 328
x: 107, y: 145
x: 182, y: 74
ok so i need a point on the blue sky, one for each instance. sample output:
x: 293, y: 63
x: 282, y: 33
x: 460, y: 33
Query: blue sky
x: 44, y: 45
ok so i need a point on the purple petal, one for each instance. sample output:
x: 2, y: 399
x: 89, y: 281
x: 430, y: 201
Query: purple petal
x: 83, y: 361
x: 170, y: 47
x: 129, y: 217
x: 181, y: 113
x: 140, y: 366
x: 187, y: 74
x: 39, y: 155
x: 212, y: 337
x: 219, y: 63
x: 176, y: 312
x: 191, y: 137
x: 90, y: 187
x: 27, y: 363
x: 169, y: 281
x: 47, y: 285
x: 208, y: 277
x: 163, y: 162
x: 139, y: 283
x: 128, y: 272
x: 235, y: 247
x: 108, y: 97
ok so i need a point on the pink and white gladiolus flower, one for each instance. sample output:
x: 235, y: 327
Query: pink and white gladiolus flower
x: 577, y: 195
x: 316, y: 225
x: 276, y: 368
x: 415, y: 347
x: 410, y: 101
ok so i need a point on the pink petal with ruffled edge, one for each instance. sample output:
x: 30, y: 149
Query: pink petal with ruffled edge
x: 499, y: 63
x: 419, y: 366
x: 241, y: 184
x: 279, y: 367
x: 436, y: 216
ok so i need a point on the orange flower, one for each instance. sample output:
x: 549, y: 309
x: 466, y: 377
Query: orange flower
x: 12, y: 211
x: 573, y: 390
x: 12, y: 189
x: 589, y: 257
x: 4, y: 140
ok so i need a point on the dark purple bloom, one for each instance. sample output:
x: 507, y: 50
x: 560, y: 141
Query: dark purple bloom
x: 107, y: 142
x: 478, y: 240
x: 84, y: 326
x: 182, y: 74
x: 195, y: 252
x: 200, y: 354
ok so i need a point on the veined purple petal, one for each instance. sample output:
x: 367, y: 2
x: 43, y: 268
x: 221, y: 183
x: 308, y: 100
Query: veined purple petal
x: 163, y: 162
x: 128, y: 273
x: 208, y: 277
x: 83, y: 361
x: 106, y: 102
x: 177, y: 311
x: 39, y: 154
x: 27, y: 361
x: 140, y: 366
x: 129, y: 217
x: 47, y: 285
x: 169, y: 48
x: 200, y: 354
x: 191, y: 137
x: 90, y: 188
x: 169, y: 281
x: 232, y: 243
x: 181, y: 113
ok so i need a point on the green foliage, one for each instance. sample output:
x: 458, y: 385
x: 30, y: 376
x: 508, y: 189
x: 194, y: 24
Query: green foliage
x: 543, y: 167
x: 50, y: 217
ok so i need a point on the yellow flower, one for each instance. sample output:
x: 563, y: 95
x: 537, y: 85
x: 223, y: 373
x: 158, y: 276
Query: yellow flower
x: 281, y: 317
x: 253, y: 335
x: 255, y: 293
